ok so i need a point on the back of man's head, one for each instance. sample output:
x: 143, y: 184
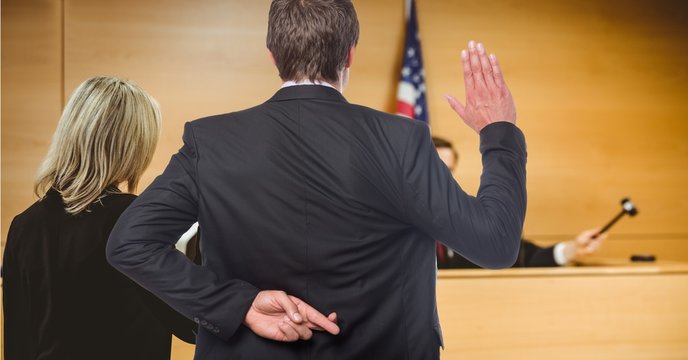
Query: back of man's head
x: 311, y: 39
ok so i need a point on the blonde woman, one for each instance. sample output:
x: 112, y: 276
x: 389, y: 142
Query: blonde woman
x: 61, y: 298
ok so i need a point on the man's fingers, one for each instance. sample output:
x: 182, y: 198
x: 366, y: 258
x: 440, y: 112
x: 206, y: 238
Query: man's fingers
x: 591, y: 247
x: 597, y: 235
x: 317, y: 320
x: 299, y: 305
x: 496, y: 71
x: 456, y: 105
x: 322, y: 322
x: 332, y: 317
x: 589, y: 235
x: 486, y: 67
x: 594, y: 246
x: 476, y: 68
x: 304, y: 332
x: 468, y: 80
x: 288, y: 306
x: 288, y: 332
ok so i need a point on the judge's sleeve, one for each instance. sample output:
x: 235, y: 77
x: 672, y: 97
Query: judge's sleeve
x: 141, y: 246
x: 485, y: 229
x: 534, y: 256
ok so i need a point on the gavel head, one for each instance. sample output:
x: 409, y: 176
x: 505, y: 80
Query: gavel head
x: 628, y: 207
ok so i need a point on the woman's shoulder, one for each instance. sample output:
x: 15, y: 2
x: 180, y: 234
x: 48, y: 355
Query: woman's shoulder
x: 42, y: 208
x: 115, y: 201
x: 118, y: 197
x: 51, y: 208
x: 40, y: 218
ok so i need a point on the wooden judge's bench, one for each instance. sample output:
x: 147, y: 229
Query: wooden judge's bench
x: 603, y: 310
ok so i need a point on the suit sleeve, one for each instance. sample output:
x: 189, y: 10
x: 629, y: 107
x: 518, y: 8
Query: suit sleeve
x: 485, y: 229
x: 534, y: 256
x: 181, y: 327
x: 141, y: 246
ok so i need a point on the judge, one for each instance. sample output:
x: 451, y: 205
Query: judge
x: 530, y: 254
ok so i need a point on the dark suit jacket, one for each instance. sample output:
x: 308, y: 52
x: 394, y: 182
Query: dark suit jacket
x: 530, y: 255
x: 62, y: 300
x: 334, y: 203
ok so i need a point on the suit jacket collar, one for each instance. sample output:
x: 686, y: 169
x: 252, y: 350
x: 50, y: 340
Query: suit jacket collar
x: 298, y: 92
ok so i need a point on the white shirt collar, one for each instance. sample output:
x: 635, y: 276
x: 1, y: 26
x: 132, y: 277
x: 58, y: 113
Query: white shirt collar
x: 307, y: 82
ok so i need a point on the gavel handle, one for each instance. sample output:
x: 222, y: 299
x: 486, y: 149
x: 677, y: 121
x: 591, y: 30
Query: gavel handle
x: 610, y: 224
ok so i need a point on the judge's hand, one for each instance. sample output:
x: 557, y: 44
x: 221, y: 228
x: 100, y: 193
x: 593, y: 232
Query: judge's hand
x: 488, y: 98
x: 586, y: 243
x: 277, y: 316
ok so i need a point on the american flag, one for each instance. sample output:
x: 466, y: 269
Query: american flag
x: 411, y: 99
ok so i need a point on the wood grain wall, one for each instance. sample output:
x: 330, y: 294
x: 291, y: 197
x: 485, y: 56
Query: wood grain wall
x: 600, y: 89
x: 32, y: 88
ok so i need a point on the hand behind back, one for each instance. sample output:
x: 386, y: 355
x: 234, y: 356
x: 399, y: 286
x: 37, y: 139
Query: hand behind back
x: 277, y: 316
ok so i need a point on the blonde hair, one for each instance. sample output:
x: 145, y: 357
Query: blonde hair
x: 106, y: 135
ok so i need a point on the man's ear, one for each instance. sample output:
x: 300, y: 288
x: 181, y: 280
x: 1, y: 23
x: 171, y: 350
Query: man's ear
x: 272, y: 58
x: 350, y: 59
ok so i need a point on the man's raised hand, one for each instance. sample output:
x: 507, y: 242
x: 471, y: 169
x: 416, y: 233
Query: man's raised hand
x: 488, y: 98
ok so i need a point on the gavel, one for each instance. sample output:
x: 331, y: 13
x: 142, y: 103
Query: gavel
x: 627, y: 207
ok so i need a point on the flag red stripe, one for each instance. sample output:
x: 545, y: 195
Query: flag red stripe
x: 405, y: 108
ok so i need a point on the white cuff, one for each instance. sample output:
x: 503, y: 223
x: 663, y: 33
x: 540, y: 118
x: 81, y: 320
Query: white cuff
x: 186, y: 237
x: 560, y: 254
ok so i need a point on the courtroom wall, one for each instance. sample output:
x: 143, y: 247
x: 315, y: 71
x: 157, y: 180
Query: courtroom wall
x: 600, y: 88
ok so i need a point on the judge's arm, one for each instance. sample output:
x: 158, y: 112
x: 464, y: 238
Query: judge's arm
x: 585, y: 244
x: 532, y: 255
x: 486, y: 229
x: 141, y: 246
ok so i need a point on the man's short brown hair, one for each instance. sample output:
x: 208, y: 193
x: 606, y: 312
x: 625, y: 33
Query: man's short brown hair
x: 310, y: 39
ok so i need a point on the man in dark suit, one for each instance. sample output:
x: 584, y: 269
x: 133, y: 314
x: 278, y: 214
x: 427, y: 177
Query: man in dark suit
x: 530, y: 254
x: 308, y: 200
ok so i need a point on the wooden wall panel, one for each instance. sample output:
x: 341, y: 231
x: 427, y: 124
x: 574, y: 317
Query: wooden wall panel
x: 203, y: 58
x: 599, y: 89
x: 195, y: 58
x: 31, y: 96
